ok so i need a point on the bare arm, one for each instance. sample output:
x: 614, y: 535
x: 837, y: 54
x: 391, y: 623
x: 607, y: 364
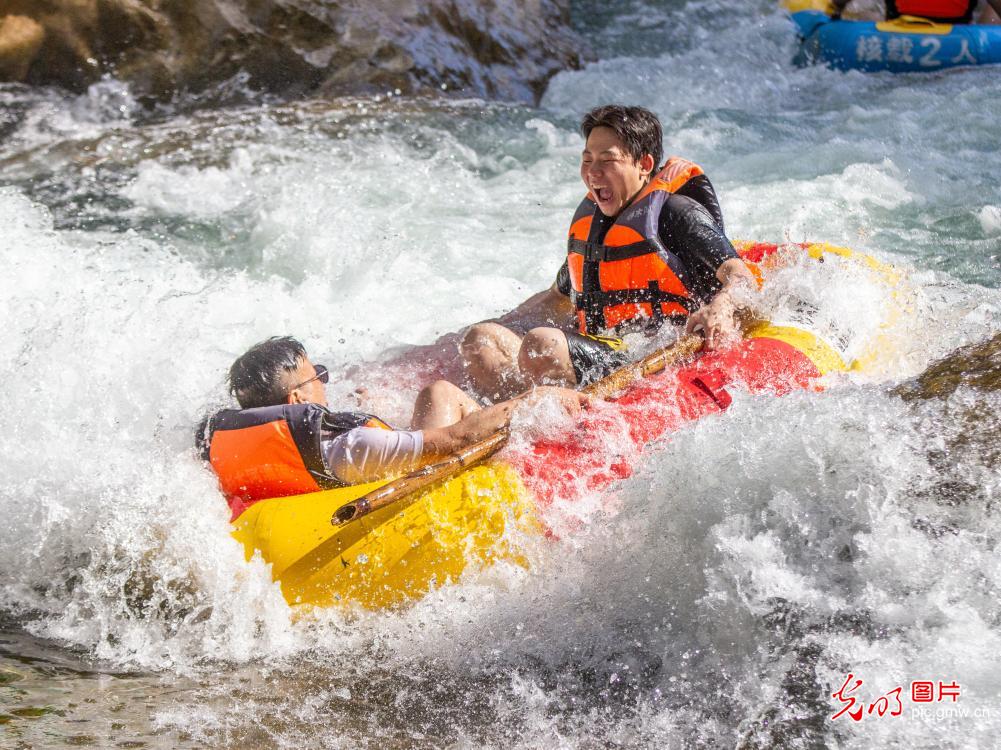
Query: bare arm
x: 734, y: 272
x: 442, y: 441
x: 547, y: 308
x: 717, y: 319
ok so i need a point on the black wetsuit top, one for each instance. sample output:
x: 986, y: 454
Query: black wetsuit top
x: 699, y: 189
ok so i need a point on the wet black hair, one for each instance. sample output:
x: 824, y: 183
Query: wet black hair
x: 256, y: 378
x: 638, y: 128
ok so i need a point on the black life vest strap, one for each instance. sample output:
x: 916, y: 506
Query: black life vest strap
x: 652, y: 294
x: 657, y: 317
x: 594, y: 303
x: 596, y: 251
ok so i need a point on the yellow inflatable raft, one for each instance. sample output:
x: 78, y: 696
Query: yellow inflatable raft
x: 400, y: 552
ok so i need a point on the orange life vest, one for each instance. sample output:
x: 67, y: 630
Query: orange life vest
x: 956, y: 11
x: 274, y: 451
x: 630, y: 274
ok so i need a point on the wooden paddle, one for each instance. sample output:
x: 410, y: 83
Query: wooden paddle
x: 449, y: 467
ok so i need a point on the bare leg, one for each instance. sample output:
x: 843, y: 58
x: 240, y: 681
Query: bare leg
x: 441, y: 404
x: 544, y: 358
x: 490, y: 354
x: 988, y: 16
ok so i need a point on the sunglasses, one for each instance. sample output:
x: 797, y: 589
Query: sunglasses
x: 322, y: 374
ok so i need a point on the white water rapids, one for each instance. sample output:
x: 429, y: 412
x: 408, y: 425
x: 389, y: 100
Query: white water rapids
x: 754, y: 560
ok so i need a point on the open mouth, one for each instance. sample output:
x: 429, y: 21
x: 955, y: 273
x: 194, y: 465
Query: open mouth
x: 603, y: 194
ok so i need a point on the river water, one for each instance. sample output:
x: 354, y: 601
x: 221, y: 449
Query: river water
x: 716, y: 599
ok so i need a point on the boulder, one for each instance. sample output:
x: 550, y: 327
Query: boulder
x: 976, y: 366
x: 501, y: 49
x: 20, y: 40
x: 969, y: 427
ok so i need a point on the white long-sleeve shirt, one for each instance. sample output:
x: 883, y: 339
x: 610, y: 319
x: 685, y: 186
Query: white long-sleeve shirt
x: 366, y: 454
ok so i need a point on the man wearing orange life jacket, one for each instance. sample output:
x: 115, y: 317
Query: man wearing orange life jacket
x: 283, y: 440
x: 942, y: 11
x: 646, y: 247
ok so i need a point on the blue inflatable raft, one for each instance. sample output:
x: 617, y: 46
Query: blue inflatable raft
x: 903, y: 45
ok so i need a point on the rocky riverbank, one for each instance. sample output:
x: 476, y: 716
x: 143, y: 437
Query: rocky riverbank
x: 977, y: 366
x: 497, y: 49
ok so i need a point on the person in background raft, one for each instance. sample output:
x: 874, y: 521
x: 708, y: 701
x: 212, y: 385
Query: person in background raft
x: 283, y: 440
x: 646, y: 247
x: 941, y: 11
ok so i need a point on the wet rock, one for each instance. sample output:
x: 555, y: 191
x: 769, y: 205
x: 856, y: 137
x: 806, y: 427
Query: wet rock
x: 506, y: 49
x: 797, y: 716
x: 628, y: 672
x: 977, y: 366
x: 969, y: 426
x: 20, y: 39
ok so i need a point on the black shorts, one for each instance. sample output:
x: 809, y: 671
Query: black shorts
x: 594, y: 357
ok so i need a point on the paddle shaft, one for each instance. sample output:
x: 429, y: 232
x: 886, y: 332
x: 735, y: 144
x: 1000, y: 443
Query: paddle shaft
x: 449, y: 467
x: 417, y: 480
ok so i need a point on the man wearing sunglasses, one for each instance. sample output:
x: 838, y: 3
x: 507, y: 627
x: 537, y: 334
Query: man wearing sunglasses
x: 283, y: 440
